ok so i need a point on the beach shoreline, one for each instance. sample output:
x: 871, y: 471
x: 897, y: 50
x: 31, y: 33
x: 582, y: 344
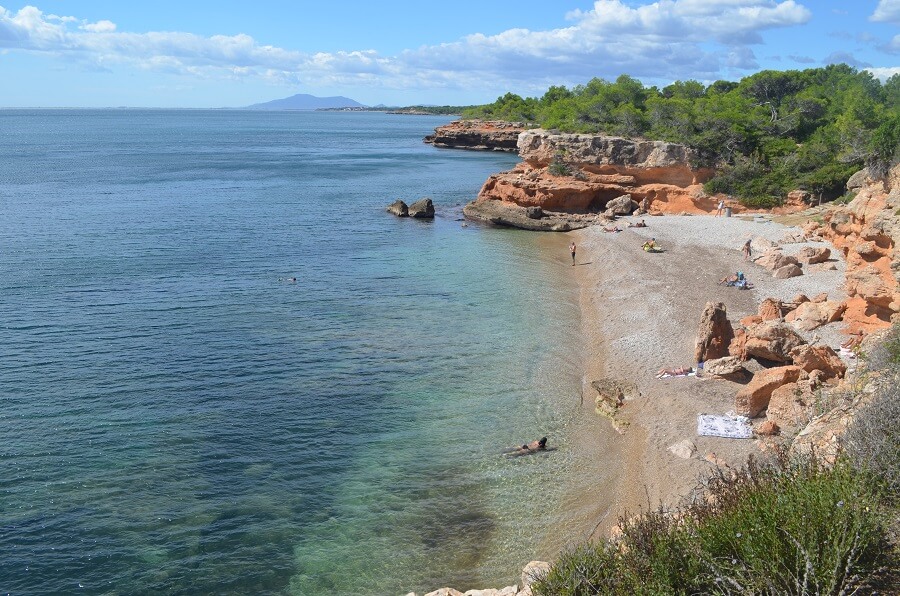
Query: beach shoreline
x: 640, y: 312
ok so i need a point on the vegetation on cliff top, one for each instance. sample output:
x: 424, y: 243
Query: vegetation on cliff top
x: 768, y: 134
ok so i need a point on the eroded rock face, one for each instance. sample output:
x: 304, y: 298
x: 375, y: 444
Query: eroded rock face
x: 867, y: 230
x: 753, y: 398
x: 590, y: 171
x: 714, y: 334
x: 482, y: 135
x: 788, y: 405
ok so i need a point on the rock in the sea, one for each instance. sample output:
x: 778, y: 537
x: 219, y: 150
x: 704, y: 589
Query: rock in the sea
x: 684, y: 449
x: 422, y: 209
x: 398, y: 208
x: 787, y: 271
x: 720, y: 367
x: 771, y: 340
x: 753, y: 398
x: 821, y: 358
x: 714, y: 334
x: 814, y: 254
x: 534, y: 212
x: 622, y: 205
x: 490, y: 135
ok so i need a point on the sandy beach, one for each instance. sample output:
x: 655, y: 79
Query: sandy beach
x: 640, y: 313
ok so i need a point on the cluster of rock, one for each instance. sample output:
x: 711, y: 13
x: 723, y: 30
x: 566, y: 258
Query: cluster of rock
x: 481, y: 135
x: 785, y: 266
x: 867, y: 231
x: 577, y: 174
x: 789, y: 370
x: 421, y: 209
x: 531, y: 573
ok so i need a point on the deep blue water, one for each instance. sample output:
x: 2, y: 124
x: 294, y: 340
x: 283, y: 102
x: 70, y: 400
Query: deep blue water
x: 178, y: 418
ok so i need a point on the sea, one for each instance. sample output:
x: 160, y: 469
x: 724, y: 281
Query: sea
x: 226, y: 369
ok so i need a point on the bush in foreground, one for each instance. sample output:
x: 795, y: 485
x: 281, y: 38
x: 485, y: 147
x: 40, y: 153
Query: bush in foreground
x: 789, y: 527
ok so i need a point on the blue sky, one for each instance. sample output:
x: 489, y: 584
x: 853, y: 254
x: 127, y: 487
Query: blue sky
x: 82, y: 53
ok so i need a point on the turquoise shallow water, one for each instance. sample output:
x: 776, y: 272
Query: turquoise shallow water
x: 177, y: 418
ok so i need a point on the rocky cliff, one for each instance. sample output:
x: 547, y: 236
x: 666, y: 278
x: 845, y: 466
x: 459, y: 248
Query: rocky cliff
x: 580, y: 174
x: 484, y: 135
x: 867, y: 231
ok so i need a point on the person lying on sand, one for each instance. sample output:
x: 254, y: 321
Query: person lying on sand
x: 853, y: 342
x: 640, y: 224
x: 528, y: 448
x: 651, y: 245
x: 613, y: 229
x: 679, y: 371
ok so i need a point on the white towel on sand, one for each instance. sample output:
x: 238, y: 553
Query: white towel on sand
x: 730, y: 427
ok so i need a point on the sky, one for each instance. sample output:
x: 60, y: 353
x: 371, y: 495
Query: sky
x: 230, y: 53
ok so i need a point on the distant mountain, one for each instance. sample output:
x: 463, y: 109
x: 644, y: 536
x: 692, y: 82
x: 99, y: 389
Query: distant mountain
x: 303, y: 101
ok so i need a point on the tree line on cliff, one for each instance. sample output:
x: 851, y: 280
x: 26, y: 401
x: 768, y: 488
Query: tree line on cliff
x: 768, y: 134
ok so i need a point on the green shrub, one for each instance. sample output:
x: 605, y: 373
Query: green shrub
x: 790, y: 527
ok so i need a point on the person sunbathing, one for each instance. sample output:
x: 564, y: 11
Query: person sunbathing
x: 651, y: 245
x: 853, y: 342
x: 613, y: 229
x: 640, y: 224
x: 675, y: 372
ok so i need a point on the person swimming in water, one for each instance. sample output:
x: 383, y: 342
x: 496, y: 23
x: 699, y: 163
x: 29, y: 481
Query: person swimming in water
x: 528, y: 448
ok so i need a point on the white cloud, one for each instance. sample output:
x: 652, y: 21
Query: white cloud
x: 884, y: 74
x: 99, y: 27
x: 887, y: 11
x: 665, y: 39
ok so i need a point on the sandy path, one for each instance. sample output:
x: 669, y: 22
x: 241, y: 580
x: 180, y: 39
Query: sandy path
x: 640, y: 312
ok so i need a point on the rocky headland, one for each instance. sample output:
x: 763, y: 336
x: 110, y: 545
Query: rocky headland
x: 479, y: 135
x: 574, y: 177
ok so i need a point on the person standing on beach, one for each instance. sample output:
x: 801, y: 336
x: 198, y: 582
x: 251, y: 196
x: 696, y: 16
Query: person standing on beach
x: 572, y: 250
x: 721, y: 207
x: 747, y: 251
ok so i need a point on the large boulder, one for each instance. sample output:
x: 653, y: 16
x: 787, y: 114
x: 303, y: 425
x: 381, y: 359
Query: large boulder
x: 814, y: 254
x: 771, y: 340
x: 622, y: 205
x: 398, y: 208
x: 422, y: 209
x: 822, y: 358
x: 725, y: 366
x: 787, y: 271
x: 810, y: 315
x: 789, y: 405
x: 753, y: 398
x: 774, y: 259
x: 714, y: 334
x: 771, y: 309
